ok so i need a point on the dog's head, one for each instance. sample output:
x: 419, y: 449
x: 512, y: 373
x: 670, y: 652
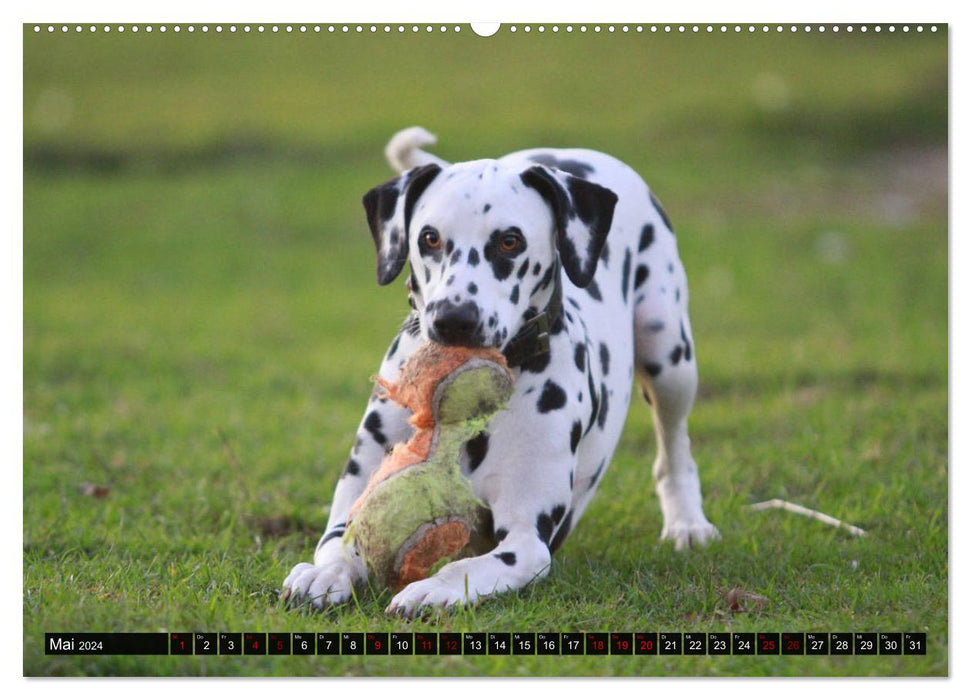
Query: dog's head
x: 484, y: 241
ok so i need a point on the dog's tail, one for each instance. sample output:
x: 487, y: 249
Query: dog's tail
x: 404, y: 149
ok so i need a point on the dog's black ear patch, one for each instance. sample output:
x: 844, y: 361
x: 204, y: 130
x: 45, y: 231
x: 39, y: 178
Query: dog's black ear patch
x: 388, y: 208
x: 576, y: 168
x: 582, y: 214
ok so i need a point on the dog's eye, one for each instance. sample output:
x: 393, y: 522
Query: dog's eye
x: 510, y: 242
x: 431, y: 238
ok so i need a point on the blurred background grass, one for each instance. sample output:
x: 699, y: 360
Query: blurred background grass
x: 200, y: 316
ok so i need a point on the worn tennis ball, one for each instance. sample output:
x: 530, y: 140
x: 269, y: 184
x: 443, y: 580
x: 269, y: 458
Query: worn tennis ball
x: 424, y: 514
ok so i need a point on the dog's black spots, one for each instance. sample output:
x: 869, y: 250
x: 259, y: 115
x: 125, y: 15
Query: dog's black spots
x: 336, y: 532
x: 412, y: 325
x: 501, y: 534
x: 605, y: 254
x: 594, y: 291
x: 573, y: 302
x: 596, y: 474
x: 450, y: 280
x: 544, y: 527
x: 537, y: 363
x: 563, y: 530
x: 602, y: 415
x: 492, y: 322
x: 373, y: 425
x: 594, y: 402
x: 473, y: 289
x: 575, y: 434
x: 426, y: 250
x: 655, y: 326
x: 449, y: 246
x: 687, y: 344
x: 352, y: 468
x: 523, y: 269
x: 502, y: 262
x: 558, y: 326
x: 536, y: 268
x: 625, y: 275
x: 552, y: 398
x: 394, y: 347
x: 647, y: 237
x: 473, y: 257
x: 477, y: 448
x: 569, y: 316
x: 676, y: 355
x: 514, y: 297
x: 487, y: 207
x: 640, y: 276
x: 557, y: 513
x: 544, y: 281
x: 393, y: 237
x: 652, y: 368
x: 571, y: 479
x: 456, y: 256
x: 580, y: 356
x: 507, y: 558
x: 604, y: 359
x: 580, y: 397
x: 660, y: 210
x: 577, y: 168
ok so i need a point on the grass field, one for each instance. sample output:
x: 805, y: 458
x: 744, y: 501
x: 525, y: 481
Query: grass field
x: 200, y: 322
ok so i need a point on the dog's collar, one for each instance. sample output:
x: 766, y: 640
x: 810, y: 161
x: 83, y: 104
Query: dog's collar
x: 533, y: 339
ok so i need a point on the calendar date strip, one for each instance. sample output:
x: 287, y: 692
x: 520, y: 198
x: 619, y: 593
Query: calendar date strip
x: 486, y: 643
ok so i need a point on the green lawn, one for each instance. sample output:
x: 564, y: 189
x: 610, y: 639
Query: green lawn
x: 200, y: 323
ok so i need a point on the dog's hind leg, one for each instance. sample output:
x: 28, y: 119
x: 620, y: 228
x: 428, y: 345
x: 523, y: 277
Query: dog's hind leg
x: 667, y: 371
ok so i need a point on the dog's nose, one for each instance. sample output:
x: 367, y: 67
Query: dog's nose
x: 456, y: 324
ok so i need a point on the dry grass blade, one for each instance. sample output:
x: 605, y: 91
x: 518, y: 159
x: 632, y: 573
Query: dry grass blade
x: 808, y: 512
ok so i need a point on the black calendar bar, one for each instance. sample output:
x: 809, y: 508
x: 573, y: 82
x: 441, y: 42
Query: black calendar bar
x: 386, y: 644
x: 97, y: 643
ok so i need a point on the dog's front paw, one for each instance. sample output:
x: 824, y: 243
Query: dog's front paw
x: 690, y: 534
x: 330, y: 583
x: 435, y: 593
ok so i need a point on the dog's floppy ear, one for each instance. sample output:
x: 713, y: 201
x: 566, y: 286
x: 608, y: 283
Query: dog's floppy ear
x: 582, y: 212
x: 389, y: 207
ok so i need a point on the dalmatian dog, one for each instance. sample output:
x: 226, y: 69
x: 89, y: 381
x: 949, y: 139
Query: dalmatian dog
x: 564, y: 260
